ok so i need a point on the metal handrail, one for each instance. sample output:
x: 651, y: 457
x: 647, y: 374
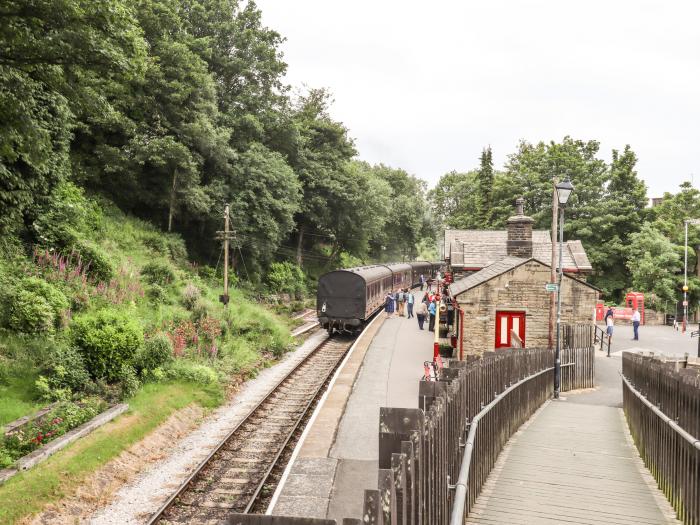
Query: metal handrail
x: 694, y: 442
x: 603, y: 335
x: 457, y: 515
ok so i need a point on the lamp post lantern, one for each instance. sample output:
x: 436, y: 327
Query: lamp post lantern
x: 564, y: 190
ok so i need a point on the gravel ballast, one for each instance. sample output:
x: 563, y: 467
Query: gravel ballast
x: 136, y: 501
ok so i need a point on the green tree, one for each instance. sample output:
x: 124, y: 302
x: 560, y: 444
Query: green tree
x: 49, y: 52
x: 455, y: 199
x: 247, y: 66
x: 668, y: 218
x: 319, y: 159
x: 533, y: 169
x: 152, y: 155
x: 652, y: 263
x: 621, y: 213
x: 486, y: 180
x: 264, y: 195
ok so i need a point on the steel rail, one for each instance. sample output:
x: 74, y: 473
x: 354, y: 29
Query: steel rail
x: 183, y: 487
x: 458, y: 507
x: 694, y: 442
x: 254, y: 498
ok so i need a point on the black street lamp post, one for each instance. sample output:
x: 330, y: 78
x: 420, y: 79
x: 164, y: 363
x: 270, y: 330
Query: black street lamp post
x: 564, y: 190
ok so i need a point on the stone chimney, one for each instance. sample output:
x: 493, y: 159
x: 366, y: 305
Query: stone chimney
x: 519, y: 242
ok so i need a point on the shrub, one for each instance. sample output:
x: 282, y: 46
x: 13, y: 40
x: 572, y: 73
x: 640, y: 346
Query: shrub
x: 4, y: 370
x: 63, y: 371
x: 158, y: 272
x: 55, y: 297
x: 286, y: 277
x: 80, y: 300
x: 156, y: 242
x: 155, y: 353
x: 200, y: 310
x: 107, y: 340
x: 6, y: 460
x: 176, y: 248
x: 66, y: 213
x: 157, y: 294
x: 194, y: 372
x: 58, y: 421
x: 190, y: 296
x: 98, y: 265
x: 207, y: 272
x: 128, y: 380
x: 31, y: 313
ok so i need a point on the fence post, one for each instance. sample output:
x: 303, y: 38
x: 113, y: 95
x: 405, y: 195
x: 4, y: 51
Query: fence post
x: 395, y: 426
x: 409, y: 492
x: 398, y: 466
x: 372, y: 509
x: 385, y: 482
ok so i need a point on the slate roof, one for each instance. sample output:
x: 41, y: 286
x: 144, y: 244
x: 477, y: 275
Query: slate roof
x: 494, y: 270
x: 481, y: 248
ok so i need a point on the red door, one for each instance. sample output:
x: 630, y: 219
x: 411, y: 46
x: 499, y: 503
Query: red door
x: 507, y: 322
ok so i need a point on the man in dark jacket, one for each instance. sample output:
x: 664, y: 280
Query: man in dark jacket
x: 609, y: 313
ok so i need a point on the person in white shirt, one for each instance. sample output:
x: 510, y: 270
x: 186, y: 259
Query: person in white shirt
x: 609, y: 329
x: 636, y: 318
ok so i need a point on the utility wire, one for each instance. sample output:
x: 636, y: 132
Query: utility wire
x: 235, y: 239
x: 219, y: 259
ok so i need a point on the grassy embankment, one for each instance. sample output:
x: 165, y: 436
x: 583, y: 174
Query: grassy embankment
x: 212, y: 346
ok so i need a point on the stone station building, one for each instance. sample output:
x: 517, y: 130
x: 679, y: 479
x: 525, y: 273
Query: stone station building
x: 506, y: 304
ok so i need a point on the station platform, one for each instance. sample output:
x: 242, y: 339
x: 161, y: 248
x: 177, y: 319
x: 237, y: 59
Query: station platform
x: 337, y: 457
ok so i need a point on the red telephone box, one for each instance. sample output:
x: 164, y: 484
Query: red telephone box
x: 636, y: 300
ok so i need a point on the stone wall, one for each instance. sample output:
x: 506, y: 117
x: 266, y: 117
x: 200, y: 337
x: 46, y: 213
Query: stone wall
x: 522, y: 289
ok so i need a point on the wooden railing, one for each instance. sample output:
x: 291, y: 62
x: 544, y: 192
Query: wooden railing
x: 662, y: 403
x: 577, y: 349
x: 421, y: 451
x: 470, y: 412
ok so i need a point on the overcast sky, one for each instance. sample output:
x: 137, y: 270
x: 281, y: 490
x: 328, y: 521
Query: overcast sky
x: 426, y: 85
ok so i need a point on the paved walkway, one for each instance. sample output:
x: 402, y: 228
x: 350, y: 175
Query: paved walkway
x: 574, y: 462
x: 338, y: 459
x: 389, y: 378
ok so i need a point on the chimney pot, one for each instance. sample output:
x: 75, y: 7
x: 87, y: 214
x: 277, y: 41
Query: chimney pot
x: 519, y: 243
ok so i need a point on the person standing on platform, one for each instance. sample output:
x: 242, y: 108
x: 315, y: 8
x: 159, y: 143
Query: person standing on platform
x: 409, y: 303
x: 431, y: 310
x: 422, y: 282
x: 421, y: 313
x: 426, y: 298
x: 636, y: 319
x: 609, y: 328
x: 389, y: 304
x: 609, y: 313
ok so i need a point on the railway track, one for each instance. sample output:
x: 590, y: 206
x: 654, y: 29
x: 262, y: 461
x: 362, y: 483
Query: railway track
x: 233, y: 477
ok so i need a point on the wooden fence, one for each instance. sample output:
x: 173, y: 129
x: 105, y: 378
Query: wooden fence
x: 421, y: 449
x: 577, y: 343
x: 662, y: 404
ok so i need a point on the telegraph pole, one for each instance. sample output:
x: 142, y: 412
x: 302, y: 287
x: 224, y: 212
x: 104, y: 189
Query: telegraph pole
x: 226, y: 226
x: 226, y: 237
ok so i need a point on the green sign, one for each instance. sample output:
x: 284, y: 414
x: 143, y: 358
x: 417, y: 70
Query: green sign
x: 551, y: 287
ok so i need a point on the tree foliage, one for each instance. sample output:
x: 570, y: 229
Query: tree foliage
x: 653, y: 262
x: 173, y: 108
x: 630, y: 245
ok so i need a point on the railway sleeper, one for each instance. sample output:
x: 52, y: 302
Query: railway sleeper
x: 234, y: 457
